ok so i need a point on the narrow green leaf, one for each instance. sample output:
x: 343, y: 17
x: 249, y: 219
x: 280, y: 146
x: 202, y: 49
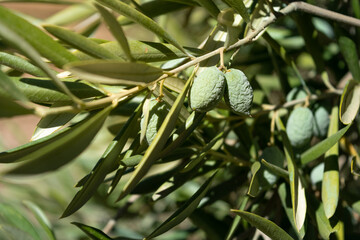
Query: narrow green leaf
x: 9, y: 108
x: 266, y: 226
x: 145, y: 51
x: 116, y: 30
x: 45, y: 91
x: 145, y: 117
x: 152, y: 153
x: 325, y: 226
x: 55, y: 150
x: 141, y: 19
x: 349, y: 51
x: 11, y: 90
x: 185, y: 132
x: 323, y: 146
x: 154, y: 9
x: 71, y: 14
x: 175, y: 84
x: 275, y: 169
x: 41, y: 218
x: 105, y: 165
x: 80, y: 42
x: 43, y: 43
x: 20, y: 64
x: 254, y: 183
x: 330, y: 183
x: 350, y: 102
x: 260, y: 15
x: 92, y: 232
x: 239, y: 7
x: 14, y: 224
x: 20, y: 43
x: 237, y: 218
x: 184, y: 211
x: 210, y: 6
x: 115, y: 72
x: 298, y: 197
x: 285, y: 197
x: 51, y: 123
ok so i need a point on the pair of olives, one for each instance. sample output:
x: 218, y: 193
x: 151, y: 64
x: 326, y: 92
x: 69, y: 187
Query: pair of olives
x: 212, y: 84
x: 206, y: 92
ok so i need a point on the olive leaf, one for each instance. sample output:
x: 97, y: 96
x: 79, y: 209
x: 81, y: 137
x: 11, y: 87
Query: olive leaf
x: 323, y: 146
x: 41, y: 218
x: 185, y: 210
x: 114, y: 72
x: 116, y: 30
x: 151, y: 154
x: 20, y: 64
x: 142, y: 19
x: 92, y: 232
x: 349, y: 51
x: 80, y: 42
x: 298, y: 197
x: 264, y: 225
x: 43, y: 43
x: 104, y: 166
x: 70, y: 14
x: 331, y: 181
x: 350, y: 102
x: 61, y: 147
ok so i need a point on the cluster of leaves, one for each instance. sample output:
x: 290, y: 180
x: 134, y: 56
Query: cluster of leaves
x: 244, y: 168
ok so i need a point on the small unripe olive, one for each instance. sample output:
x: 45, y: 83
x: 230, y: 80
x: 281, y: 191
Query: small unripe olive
x: 299, y: 127
x: 238, y: 92
x: 207, y: 89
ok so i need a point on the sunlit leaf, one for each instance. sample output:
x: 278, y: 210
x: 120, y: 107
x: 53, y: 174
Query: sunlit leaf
x: 140, y: 18
x: 350, y: 102
x: 285, y: 197
x: 51, y: 123
x: 266, y: 226
x: 71, y: 14
x: 80, y: 42
x: 45, y: 91
x: 116, y: 30
x: 20, y: 64
x: 16, y: 39
x: 298, y: 197
x: 331, y: 181
x: 115, y: 72
x: 323, y: 146
x: 43, y: 43
x: 145, y: 51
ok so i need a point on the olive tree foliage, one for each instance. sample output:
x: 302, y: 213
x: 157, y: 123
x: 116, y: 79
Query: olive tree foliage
x: 286, y: 169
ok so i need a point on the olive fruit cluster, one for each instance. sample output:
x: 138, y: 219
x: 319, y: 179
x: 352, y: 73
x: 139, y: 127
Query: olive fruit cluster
x: 212, y: 84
